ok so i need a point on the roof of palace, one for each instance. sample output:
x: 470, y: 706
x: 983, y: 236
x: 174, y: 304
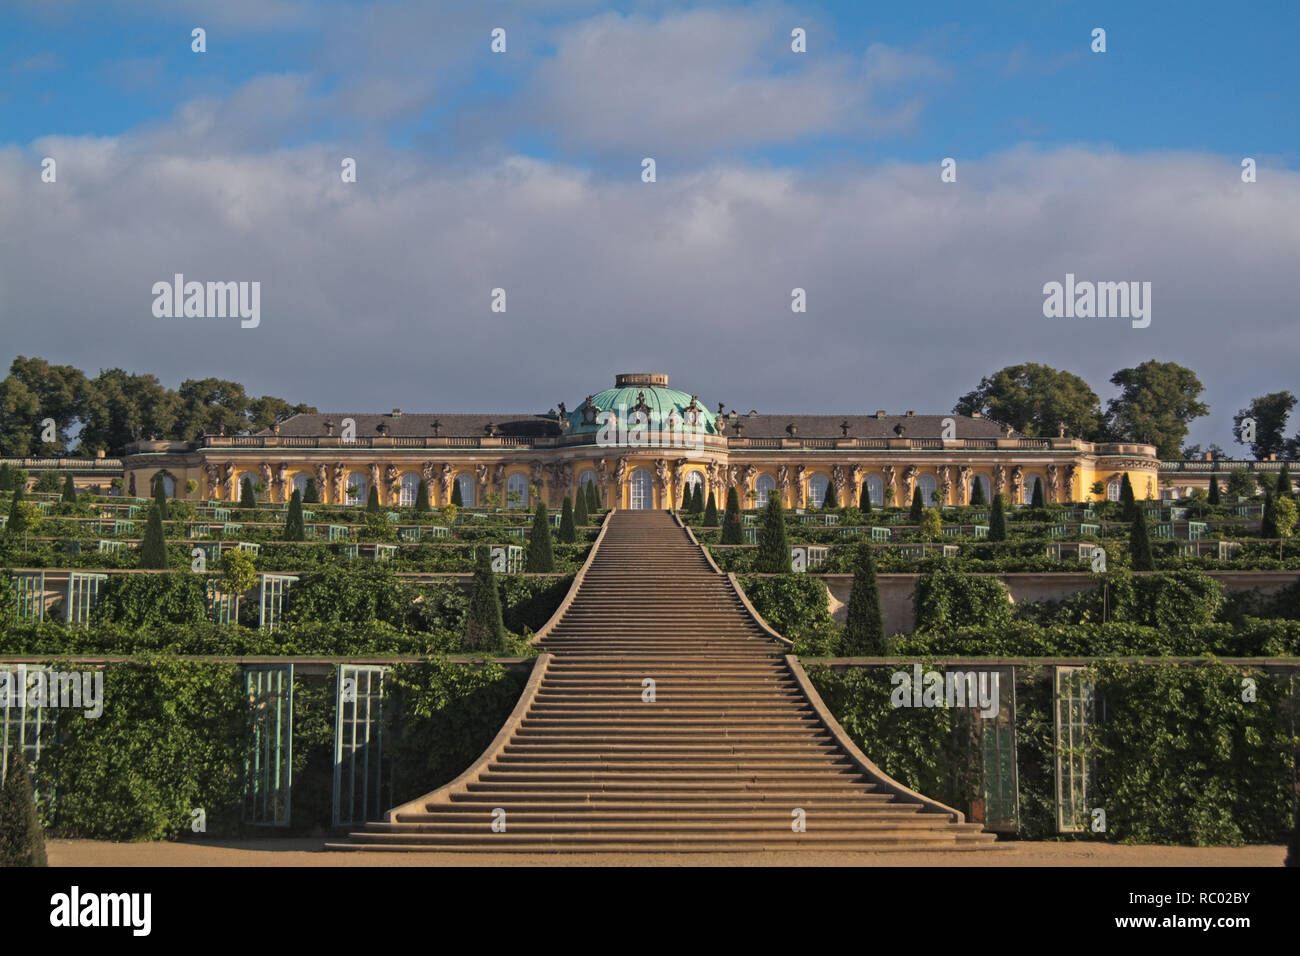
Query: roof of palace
x: 630, y: 392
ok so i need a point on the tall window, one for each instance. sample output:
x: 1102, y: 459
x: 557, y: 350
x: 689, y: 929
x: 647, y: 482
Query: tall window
x: 1113, y: 489
x: 300, y: 483
x: 410, y: 485
x: 1027, y: 489
x: 927, y: 486
x: 641, y: 490
x: 876, y: 490
x: 588, y: 477
x: 356, y: 489
x: 517, y: 491
x: 817, y: 485
x: 169, y: 485
x: 983, y: 482
x: 765, y: 485
x: 467, y: 483
x: 694, y: 480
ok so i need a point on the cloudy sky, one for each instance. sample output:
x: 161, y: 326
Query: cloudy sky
x: 522, y: 170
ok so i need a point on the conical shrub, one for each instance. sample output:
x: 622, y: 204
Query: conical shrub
x: 484, y: 628
x: 568, y: 533
x: 540, y: 558
x: 21, y: 841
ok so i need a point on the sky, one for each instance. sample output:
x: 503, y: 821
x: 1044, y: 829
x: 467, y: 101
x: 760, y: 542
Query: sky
x: 775, y: 170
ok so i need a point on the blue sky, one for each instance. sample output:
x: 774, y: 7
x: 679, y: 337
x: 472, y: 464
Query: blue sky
x: 776, y: 170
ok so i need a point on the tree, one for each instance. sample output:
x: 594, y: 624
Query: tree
x: 977, y: 493
x: 1036, y: 501
x: 153, y: 549
x: 864, y: 627
x: 1268, y: 523
x: 864, y: 499
x: 160, y: 495
x: 918, y: 504
x: 121, y: 408
x: 1157, y: 401
x: 711, y: 512
x: 1284, y: 517
x: 773, y: 548
x: 238, y: 571
x: 1214, y: 489
x: 484, y: 629
x: 70, y: 490
x: 372, y: 500
x: 1239, y: 483
x: 294, y: 529
x: 311, y: 496
x: 1036, y: 399
x: 47, y: 482
x: 998, y: 520
x: 1128, y: 502
x: 731, y: 533
x: 1270, y: 413
x: 1139, y: 544
x: 697, y: 502
x: 20, y: 518
x: 931, y: 524
x: 246, y: 497
x: 581, y: 518
x: 568, y: 533
x: 422, y: 498
x: 5, y: 478
x: 593, y: 498
x: 1284, y: 482
x: 541, y: 557
x: 832, y: 500
x: 456, y: 498
x: 21, y: 841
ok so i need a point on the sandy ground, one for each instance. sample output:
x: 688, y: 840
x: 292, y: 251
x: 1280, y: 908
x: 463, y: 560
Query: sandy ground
x: 309, y: 852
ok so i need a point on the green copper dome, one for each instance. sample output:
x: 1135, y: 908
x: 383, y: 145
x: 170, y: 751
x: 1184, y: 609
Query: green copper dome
x: 650, y: 393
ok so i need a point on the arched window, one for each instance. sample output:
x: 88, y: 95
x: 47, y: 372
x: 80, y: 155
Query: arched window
x: 517, y: 491
x: 410, y: 484
x: 356, y: 490
x: 588, y: 477
x: 466, y: 482
x: 300, y: 484
x: 765, y: 485
x: 641, y: 490
x: 876, y: 490
x: 694, y: 481
x: 1027, y: 489
x: 985, y: 487
x: 817, y: 485
x: 1114, y: 488
x: 168, y: 483
x: 927, y: 486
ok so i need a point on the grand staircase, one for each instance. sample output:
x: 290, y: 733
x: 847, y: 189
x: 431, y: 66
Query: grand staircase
x: 663, y: 715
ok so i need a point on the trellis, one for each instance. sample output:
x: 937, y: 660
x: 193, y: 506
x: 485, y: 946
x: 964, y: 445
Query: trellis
x: 29, y: 592
x: 268, y: 765
x: 360, y: 792
x: 270, y: 598
x: 1073, y: 712
x: 83, y: 591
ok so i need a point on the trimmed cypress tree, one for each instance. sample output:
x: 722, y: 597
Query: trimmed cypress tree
x: 1139, y: 544
x: 160, y: 496
x: 69, y: 490
x: 21, y: 841
x: 372, y: 500
x: 581, y: 517
x: 864, y: 627
x: 484, y: 628
x: 1283, y: 481
x: 5, y: 478
x: 422, y: 498
x: 568, y: 533
x: 311, y: 496
x: 1215, y: 497
x: 711, y: 512
x: 1036, y: 501
x: 918, y: 504
x: 456, y: 498
x: 540, y: 558
x: 1128, y: 504
x: 17, y: 523
x: 773, y: 548
x: 1268, y: 525
x: 697, y: 498
x: 294, y: 530
x: 998, y: 520
x: 832, y: 500
x: 246, y: 497
x: 977, y: 492
x: 864, y: 499
x: 731, y: 533
x: 593, y: 498
x: 153, y: 549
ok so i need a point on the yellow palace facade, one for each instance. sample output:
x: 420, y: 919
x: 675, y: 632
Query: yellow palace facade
x: 641, y: 443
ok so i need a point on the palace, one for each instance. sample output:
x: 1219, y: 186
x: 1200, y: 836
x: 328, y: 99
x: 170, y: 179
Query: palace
x: 511, y: 459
